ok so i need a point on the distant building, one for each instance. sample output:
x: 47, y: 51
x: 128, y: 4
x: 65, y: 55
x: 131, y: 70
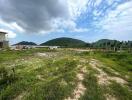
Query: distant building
x: 3, y: 41
x: 54, y: 47
x: 50, y: 47
x: 20, y: 47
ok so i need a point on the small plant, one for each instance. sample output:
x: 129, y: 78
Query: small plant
x: 7, y: 76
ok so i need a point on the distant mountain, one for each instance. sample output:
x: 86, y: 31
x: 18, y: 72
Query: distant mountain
x: 25, y: 43
x: 65, y: 42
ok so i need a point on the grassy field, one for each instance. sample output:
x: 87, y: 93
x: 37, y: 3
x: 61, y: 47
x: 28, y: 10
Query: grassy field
x: 42, y: 74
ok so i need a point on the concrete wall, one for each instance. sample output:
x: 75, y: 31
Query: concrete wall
x: 2, y: 37
x: 4, y: 44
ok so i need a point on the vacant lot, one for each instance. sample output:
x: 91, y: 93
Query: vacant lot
x: 42, y: 74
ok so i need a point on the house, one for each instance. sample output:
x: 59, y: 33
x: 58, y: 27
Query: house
x: 3, y: 41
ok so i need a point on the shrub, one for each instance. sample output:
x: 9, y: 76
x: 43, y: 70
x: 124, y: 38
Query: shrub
x: 7, y: 76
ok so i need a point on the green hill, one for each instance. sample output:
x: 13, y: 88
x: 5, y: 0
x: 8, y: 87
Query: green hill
x: 65, y: 42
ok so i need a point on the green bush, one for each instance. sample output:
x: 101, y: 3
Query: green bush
x: 7, y: 76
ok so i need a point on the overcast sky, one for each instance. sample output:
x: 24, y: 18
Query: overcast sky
x: 88, y: 20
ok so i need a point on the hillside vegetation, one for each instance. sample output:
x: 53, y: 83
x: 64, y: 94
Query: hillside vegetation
x: 65, y: 42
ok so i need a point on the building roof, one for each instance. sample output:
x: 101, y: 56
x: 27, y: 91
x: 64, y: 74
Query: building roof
x: 3, y: 32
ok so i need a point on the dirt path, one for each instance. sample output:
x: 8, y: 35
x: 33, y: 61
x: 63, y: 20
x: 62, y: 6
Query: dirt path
x: 47, y: 54
x: 19, y: 97
x: 80, y: 89
x: 105, y: 79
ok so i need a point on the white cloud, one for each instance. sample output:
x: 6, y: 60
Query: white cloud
x: 81, y: 30
x: 76, y: 7
x: 33, y: 16
x: 11, y: 34
x: 110, y: 1
x: 97, y: 2
x: 15, y: 26
x: 11, y: 26
x: 69, y: 25
x: 118, y: 22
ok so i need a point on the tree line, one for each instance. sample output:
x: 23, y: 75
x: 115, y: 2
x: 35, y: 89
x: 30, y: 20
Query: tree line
x: 111, y: 45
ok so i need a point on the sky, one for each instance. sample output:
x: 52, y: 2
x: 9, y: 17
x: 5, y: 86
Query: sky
x: 87, y: 20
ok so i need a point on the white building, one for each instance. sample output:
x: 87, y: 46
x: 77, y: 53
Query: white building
x: 3, y: 42
x: 50, y: 47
